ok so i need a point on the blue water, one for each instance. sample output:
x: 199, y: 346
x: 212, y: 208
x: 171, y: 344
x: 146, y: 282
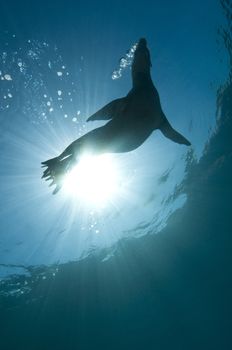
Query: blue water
x: 152, y: 268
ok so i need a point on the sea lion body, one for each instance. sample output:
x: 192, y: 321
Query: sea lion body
x: 131, y: 120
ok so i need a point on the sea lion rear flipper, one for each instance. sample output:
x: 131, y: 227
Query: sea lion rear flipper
x: 172, y: 134
x: 109, y: 111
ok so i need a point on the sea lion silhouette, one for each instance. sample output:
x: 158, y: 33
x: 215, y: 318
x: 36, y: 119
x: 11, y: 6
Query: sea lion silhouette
x: 132, y: 119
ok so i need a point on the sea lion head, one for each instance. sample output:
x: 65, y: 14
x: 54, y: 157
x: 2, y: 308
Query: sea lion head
x: 141, y: 65
x: 142, y: 43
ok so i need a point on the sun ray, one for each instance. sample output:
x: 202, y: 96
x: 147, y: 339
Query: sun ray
x: 95, y: 180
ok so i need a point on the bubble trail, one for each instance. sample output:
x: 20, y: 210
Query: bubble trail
x: 124, y: 62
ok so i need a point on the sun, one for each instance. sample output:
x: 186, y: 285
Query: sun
x: 95, y: 180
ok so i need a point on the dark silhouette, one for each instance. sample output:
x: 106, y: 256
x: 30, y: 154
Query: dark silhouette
x: 132, y: 119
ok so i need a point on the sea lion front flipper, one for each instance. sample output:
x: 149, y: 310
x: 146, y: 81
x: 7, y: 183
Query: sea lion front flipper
x: 109, y: 111
x: 172, y: 134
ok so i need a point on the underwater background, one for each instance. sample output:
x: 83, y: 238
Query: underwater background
x: 152, y: 268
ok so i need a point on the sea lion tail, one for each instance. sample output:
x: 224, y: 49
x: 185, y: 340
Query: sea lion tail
x: 55, y: 171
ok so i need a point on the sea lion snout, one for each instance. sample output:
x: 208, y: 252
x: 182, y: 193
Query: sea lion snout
x: 142, y: 42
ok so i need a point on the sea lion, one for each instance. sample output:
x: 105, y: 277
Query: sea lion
x: 132, y: 119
